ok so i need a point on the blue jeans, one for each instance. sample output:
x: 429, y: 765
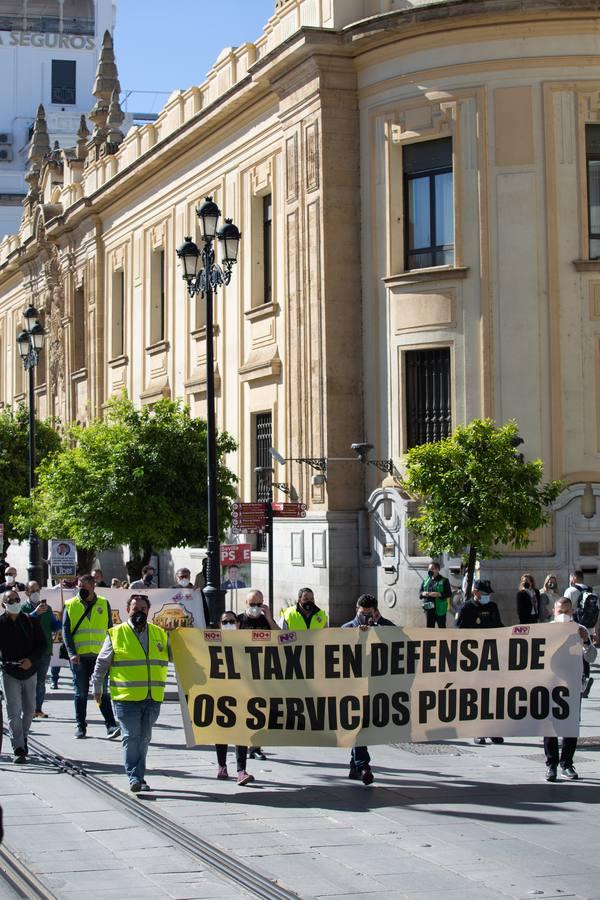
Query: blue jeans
x: 40, y: 685
x: 136, y: 718
x: 82, y: 674
x: 359, y: 758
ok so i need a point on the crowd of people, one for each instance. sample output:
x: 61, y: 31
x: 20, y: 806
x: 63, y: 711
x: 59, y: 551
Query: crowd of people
x: 126, y: 664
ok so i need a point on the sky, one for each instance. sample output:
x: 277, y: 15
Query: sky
x: 164, y: 46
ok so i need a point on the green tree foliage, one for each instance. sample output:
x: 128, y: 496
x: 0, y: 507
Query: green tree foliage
x: 14, y: 460
x: 137, y: 477
x: 475, y: 492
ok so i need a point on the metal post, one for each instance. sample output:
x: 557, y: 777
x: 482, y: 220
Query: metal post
x: 212, y: 591
x: 34, y: 569
x: 269, y: 517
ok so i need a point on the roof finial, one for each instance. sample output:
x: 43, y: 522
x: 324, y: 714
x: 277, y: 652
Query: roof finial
x: 106, y: 82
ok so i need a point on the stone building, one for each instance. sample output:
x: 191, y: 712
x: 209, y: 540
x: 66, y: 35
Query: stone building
x: 418, y: 192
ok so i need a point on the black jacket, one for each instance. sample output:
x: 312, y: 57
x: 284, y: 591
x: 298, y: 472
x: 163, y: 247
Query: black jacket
x: 528, y: 611
x: 478, y: 615
x: 21, y: 638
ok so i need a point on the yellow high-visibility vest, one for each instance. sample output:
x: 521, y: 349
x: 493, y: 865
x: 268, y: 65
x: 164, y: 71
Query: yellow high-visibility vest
x: 296, y: 621
x: 135, y: 674
x: 90, y: 635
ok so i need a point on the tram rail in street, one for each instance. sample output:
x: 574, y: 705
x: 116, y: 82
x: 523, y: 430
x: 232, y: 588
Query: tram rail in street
x: 21, y: 880
x: 197, y: 847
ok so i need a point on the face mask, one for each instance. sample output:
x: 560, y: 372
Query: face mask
x: 14, y: 608
x: 526, y: 585
x: 139, y: 619
x: 34, y: 598
x: 563, y: 617
x: 365, y: 619
x: 253, y: 612
x: 431, y: 573
x: 484, y: 598
x: 148, y: 579
x: 84, y: 593
x: 551, y: 586
x: 307, y: 605
x: 10, y: 579
x: 183, y: 582
x: 228, y: 626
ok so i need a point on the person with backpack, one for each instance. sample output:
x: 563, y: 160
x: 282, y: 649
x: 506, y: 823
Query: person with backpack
x: 22, y: 645
x: 585, y: 605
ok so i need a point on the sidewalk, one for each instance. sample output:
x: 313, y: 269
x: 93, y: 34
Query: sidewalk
x: 443, y: 821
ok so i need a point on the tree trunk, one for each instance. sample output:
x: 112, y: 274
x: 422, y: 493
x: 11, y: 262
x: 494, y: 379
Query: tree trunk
x: 139, y: 557
x: 470, y: 571
x: 85, y: 560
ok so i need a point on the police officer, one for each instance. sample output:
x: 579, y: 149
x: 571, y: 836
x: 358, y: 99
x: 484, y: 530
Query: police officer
x: 86, y: 620
x: 304, y: 615
x: 137, y: 655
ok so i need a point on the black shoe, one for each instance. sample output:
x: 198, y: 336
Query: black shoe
x: 135, y: 787
x: 20, y: 755
x: 497, y: 740
x: 588, y: 686
x: 80, y: 732
x: 113, y: 732
x: 354, y: 773
x: 145, y: 786
x: 569, y: 773
x: 479, y: 740
x: 551, y: 773
x: 256, y: 753
x: 54, y: 686
x: 366, y: 776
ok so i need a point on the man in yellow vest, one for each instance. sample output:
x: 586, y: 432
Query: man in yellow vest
x: 304, y: 615
x: 86, y: 620
x: 137, y: 655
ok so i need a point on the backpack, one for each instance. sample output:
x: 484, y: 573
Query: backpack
x: 588, y: 609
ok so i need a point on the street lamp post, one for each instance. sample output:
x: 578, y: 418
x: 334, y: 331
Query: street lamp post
x: 30, y: 342
x: 205, y: 280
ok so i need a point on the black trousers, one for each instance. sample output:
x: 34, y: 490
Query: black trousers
x: 241, y: 754
x: 567, y: 751
x: 433, y: 619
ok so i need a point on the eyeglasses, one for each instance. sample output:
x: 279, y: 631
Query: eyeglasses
x: 13, y: 600
x: 228, y: 622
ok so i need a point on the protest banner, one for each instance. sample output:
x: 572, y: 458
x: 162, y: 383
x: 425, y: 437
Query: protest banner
x: 345, y: 686
x: 170, y: 608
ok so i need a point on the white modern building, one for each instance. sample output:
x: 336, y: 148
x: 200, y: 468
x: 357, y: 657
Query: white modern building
x: 48, y: 55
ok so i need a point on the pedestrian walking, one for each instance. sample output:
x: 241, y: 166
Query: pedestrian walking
x: 563, y: 757
x: 367, y: 616
x: 227, y: 622
x: 434, y: 593
x: 39, y: 609
x: 86, y: 620
x: 256, y: 616
x: 136, y: 655
x: 305, y: 615
x: 22, y: 644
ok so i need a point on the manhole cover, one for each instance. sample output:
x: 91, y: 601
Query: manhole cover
x: 588, y: 741
x: 432, y: 749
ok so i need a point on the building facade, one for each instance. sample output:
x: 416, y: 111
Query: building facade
x: 48, y: 55
x: 417, y: 189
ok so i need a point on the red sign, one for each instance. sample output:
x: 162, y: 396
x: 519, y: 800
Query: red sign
x: 248, y: 518
x: 289, y: 510
x: 236, y: 554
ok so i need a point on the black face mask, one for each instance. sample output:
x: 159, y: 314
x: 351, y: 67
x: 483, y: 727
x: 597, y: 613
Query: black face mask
x: 148, y: 579
x: 431, y: 573
x: 307, y: 606
x: 139, y: 619
x: 84, y: 593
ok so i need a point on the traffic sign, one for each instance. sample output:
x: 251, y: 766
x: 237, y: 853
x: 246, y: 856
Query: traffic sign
x: 248, y: 518
x: 236, y: 554
x: 289, y: 510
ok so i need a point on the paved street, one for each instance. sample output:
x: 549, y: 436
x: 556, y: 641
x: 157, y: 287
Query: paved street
x: 449, y: 820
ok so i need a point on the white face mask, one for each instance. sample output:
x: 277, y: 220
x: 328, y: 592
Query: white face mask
x: 14, y: 608
x: 253, y: 612
x: 184, y: 582
x: 484, y: 598
x: 229, y: 626
x: 34, y: 598
x: 10, y: 579
x: 563, y: 617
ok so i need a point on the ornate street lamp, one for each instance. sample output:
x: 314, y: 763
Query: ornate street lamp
x: 203, y: 276
x: 30, y: 342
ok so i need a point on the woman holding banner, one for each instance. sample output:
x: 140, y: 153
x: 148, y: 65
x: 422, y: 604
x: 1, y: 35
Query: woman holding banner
x: 229, y: 621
